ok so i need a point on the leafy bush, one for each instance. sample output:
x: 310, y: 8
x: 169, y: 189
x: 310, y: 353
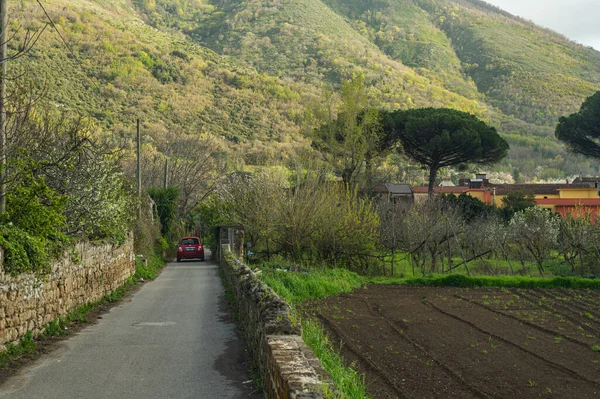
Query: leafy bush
x: 314, y: 222
x: 23, y: 252
x: 37, y: 209
x: 33, y: 226
x: 166, y: 206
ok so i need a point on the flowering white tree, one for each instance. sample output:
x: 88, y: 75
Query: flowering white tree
x: 73, y: 158
x: 535, y: 230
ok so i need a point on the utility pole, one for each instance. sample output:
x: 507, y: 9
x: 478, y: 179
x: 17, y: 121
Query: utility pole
x: 166, y: 176
x: 3, y: 60
x: 139, y: 163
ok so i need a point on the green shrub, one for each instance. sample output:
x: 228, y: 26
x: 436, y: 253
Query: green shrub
x: 166, y: 205
x: 37, y: 209
x: 161, y: 246
x: 150, y: 270
x: 23, y: 252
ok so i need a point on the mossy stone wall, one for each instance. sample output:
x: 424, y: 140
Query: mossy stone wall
x: 287, y: 365
x: 86, y: 273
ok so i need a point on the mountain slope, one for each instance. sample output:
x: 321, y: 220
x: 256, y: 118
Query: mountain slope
x: 127, y: 70
x: 252, y: 72
x: 526, y: 71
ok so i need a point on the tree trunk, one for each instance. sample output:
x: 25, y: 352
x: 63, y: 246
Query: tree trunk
x: 368, y: 175
x: 507, y: 259
x: 450, y: 263
x: 432, y: 175
x: 347, y: 177
x: 393, y: 260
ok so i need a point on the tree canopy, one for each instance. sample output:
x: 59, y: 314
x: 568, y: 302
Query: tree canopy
x: 581, y: 130
x: 440, y: 137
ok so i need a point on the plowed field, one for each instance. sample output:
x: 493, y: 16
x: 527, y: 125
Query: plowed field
x: 421, y: 342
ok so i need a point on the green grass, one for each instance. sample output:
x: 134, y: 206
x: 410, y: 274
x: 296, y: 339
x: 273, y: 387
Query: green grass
x: 25, y: 347
x: 296, y: 287
x: 349, y: 383
x: 404, y: 269
x: 462, y: 281
x: 314, y: 284
x: 149, y: 271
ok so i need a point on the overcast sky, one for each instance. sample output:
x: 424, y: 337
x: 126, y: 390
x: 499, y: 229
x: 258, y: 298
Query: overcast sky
x: 579, y: 20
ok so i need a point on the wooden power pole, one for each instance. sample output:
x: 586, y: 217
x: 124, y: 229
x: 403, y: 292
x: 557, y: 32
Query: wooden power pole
x: 138, y: 160
x: 166, y: 176
x: 3, y: 60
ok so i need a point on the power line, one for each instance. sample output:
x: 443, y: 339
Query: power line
x: 67, y: 45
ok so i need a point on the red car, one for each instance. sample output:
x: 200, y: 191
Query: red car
x: 190, y: 248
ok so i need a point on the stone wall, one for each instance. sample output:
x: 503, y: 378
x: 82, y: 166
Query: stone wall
x: 288, y: 366
x: 84, y: 274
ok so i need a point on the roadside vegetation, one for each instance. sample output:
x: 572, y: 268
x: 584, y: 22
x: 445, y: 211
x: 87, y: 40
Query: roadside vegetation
x: 64, y: 183
x: 298, y: 287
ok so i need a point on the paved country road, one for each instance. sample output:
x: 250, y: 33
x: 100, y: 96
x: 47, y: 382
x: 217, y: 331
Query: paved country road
x: 174, y: 338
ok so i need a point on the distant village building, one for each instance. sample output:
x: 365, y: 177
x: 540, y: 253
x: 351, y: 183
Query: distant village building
x: 446, y: 182
x: 394, y: 193
x: 581, y: 197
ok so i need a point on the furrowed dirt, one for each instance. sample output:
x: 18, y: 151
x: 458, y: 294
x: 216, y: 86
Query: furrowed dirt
x: 421, y: 342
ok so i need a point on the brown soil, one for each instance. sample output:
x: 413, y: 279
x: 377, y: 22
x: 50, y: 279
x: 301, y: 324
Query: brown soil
x: 421, y: 342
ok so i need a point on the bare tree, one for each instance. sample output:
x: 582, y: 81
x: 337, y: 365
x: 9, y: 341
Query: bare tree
x: 195, y: 165
x: 253, y: 201
x: 577, y: 241
x: 428, y: 230
x: 391, y: 229
x: 535, y: 230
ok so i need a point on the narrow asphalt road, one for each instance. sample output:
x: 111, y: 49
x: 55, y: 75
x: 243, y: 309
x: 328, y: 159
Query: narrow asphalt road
x: 172, y: 339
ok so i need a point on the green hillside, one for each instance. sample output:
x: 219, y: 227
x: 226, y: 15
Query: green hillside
x: 254, y: 72
x: 127, y: 70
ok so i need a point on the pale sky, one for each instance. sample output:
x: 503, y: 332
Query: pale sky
x: 579, y: 20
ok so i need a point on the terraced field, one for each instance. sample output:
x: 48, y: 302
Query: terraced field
x: 422, y: 342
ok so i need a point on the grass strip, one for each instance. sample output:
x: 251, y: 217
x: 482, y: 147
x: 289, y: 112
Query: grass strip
x: 314, y: 284
x: 296, y: 287
x: 349, y: 383
x: 27, y: 348
x: 462, y: 281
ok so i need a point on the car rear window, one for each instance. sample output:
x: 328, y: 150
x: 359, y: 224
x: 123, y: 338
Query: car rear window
x: 190, y: 241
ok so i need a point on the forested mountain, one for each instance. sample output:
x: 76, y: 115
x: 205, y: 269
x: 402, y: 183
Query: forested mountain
x: 256, y: 73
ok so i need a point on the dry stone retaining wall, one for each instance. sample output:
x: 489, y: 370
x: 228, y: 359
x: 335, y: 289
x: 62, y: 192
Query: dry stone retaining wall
x: 85, y: 274
x: 288, y: 366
